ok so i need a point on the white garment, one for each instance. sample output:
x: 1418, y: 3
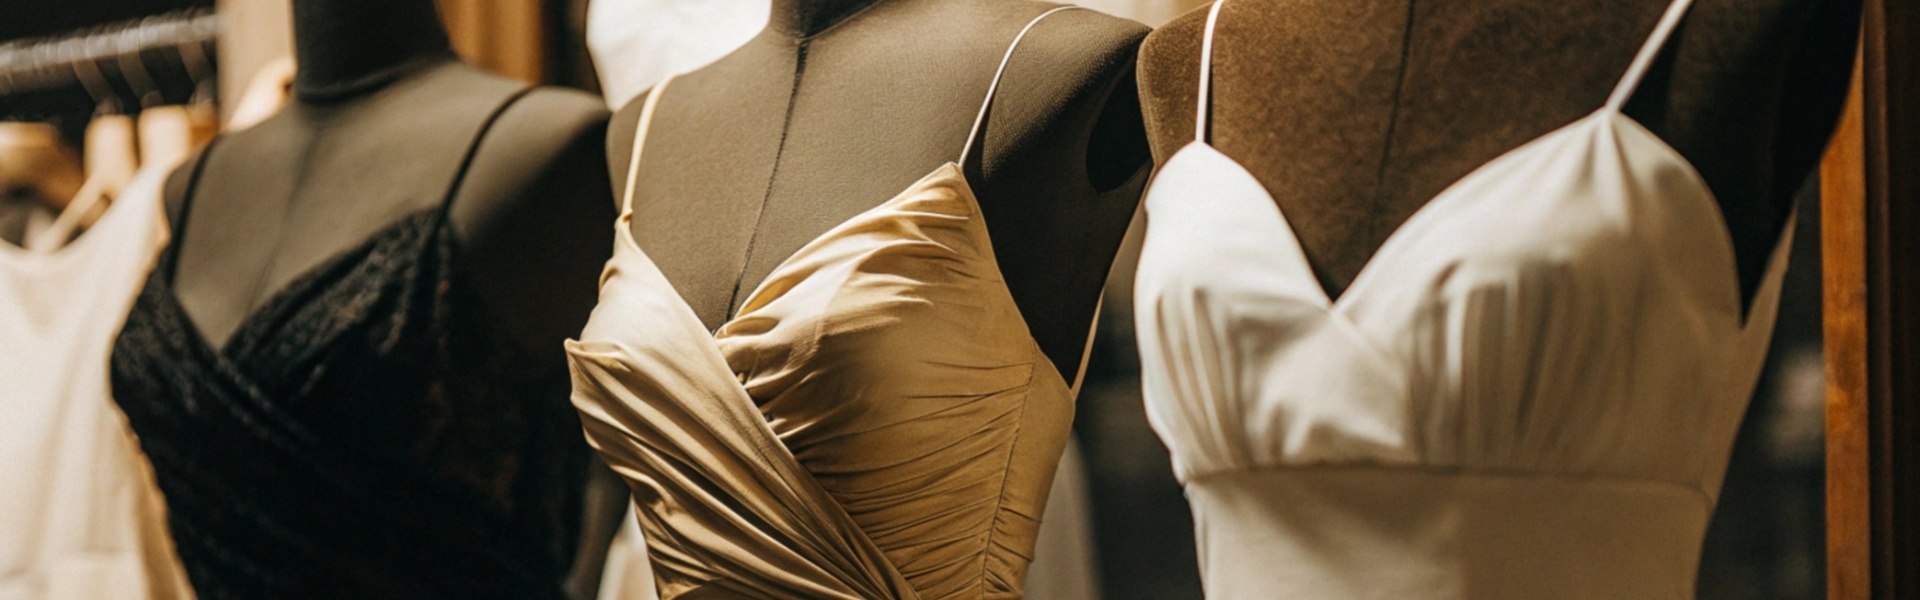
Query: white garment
x: 1153, y: 13
x: 1065, y: 564
x: 1530, y: 392
x: 638, y: 43
x: 80, y: 518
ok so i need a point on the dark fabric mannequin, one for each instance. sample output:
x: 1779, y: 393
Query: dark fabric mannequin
x: 1355, y: 114
x: 383, y: 111
x: 382, y: 116
x: 841, y: 104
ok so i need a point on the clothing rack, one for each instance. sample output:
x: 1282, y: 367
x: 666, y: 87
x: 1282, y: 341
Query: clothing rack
x: 109, y: 60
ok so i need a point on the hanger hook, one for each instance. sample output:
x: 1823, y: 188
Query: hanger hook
x: 106, y: 101
x: 134, y: 68
x: 194, y: 57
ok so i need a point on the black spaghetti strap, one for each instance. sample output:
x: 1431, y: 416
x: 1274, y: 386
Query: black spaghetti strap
x: 473, y: 147
x: 177, y: 229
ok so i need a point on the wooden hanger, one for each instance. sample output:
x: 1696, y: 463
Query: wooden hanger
x: 36, y: 165
x: 110, y: 157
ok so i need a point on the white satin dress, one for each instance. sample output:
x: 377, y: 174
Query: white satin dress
x: 1530, y: 393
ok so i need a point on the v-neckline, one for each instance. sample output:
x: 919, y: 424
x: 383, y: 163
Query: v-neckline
x: 278, y: 302
x: 624, y: 227
x: 1722, y: 237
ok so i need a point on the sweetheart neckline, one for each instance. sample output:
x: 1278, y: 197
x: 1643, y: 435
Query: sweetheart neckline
x: 624, y: 232
x: 1337, y: 304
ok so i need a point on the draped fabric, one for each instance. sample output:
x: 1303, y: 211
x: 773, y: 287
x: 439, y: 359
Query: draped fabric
x: 363, y: 435
x: 1531, y: 391
x: 877, y: 422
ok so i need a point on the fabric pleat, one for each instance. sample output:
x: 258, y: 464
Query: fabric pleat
x: 1530, y: 391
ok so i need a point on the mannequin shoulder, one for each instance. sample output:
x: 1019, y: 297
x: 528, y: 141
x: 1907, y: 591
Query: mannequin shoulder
x: 1170, y: 56
x: 549, y: 133
x: 1098, y: 40
x: 547, y: 122
x: 546, y: 151
x: 1116, y: 30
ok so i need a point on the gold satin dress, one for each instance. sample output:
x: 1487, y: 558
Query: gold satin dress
x: 876, y: 423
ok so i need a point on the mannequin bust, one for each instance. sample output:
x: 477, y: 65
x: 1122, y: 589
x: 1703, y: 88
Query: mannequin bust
x: 1355, y: 114
x: 382, y: 114
x: 839, y: 105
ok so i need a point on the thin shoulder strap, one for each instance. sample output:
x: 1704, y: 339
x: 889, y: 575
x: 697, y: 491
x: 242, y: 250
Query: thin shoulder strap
x: 178, y: 225
x: 1203, y: 107
x: 473, y: 147
x: 980, y: 120
x: 1643, y: 62
x: 639, y: 144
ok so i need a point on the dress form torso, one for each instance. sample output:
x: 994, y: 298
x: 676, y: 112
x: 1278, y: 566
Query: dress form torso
x: 877, y: 421
x: 352, y: 352
x: 1530, y: 391
x: 839, y: 105
x: 377, y: 129
x: 1355, y: 115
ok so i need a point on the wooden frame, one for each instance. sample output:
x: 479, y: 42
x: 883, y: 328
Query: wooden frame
x: 1870, y: 244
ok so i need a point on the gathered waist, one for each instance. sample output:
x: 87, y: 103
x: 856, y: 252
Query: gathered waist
x: 1366, y: 533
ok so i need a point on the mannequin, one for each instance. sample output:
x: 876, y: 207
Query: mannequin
x: 1355, y: 114
x: 838, y: 105
x: 381, y: 114
x: 466, y: 398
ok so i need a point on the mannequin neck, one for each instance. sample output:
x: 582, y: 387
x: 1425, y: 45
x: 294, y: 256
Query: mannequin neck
x: 804, y: 18
x: 347, y: 47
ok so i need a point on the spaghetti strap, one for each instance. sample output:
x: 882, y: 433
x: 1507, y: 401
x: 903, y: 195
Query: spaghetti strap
x: 170, y: 256
x: 1203, y: 105
x: 1643, y: 62
x: 640, y: 143
x: 473, y: 147
x: 980, y: 120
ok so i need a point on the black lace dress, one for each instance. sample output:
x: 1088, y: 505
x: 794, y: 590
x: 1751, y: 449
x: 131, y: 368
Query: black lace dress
x: 364, y: 435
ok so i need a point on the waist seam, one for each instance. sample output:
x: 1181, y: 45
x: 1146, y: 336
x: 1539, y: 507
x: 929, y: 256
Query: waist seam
x: 1494, y: 473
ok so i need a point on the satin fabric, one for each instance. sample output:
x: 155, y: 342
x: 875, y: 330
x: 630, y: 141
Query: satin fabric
x: 80, y: 516
x: 876, y: 422
x: 1530, y: 392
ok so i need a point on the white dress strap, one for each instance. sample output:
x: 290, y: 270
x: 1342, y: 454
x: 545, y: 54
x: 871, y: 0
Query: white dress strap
x: 980, y: 120
x: 1203, y: 105
x: 1656, y: 42
x: 640, y: 143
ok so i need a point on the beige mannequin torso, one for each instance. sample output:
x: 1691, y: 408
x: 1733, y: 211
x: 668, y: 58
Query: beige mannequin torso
x: 1355, y: 114
x: 842, y: 104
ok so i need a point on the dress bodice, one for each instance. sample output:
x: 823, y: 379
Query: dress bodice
x: 1531, y: 391
x: 365, y: 434
x: 877, y: 422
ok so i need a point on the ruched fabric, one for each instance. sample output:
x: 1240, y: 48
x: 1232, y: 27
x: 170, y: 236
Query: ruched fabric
x: 365, y: 434
x: 819, y: 446
x: 1531, y: 391
x: 876, y: 423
